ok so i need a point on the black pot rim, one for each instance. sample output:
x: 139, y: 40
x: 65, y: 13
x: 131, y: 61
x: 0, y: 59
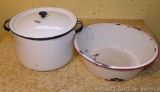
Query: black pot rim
x: 45, y: 38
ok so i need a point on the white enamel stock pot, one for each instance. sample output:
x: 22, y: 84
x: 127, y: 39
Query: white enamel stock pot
x: 115, y: 52
x: 43, y: 37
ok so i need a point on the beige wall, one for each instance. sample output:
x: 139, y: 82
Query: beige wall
x: 99, y: 9
x: 153, y: 19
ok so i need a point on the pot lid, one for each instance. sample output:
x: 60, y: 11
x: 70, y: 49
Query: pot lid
x: 43, y: 22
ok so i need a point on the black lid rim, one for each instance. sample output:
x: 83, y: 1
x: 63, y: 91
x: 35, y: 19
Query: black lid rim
x: 46, y: 38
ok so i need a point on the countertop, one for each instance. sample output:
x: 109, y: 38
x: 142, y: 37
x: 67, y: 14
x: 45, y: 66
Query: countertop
x: 73, y: 77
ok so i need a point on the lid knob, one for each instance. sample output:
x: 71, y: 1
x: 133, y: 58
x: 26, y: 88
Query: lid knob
x: 43, y: 14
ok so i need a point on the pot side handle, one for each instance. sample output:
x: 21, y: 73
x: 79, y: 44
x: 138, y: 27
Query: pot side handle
x: 6, y: 27
x: 80, y: 28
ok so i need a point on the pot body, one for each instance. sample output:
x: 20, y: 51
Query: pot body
x: 44, y: 37
x: 44, y: 55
